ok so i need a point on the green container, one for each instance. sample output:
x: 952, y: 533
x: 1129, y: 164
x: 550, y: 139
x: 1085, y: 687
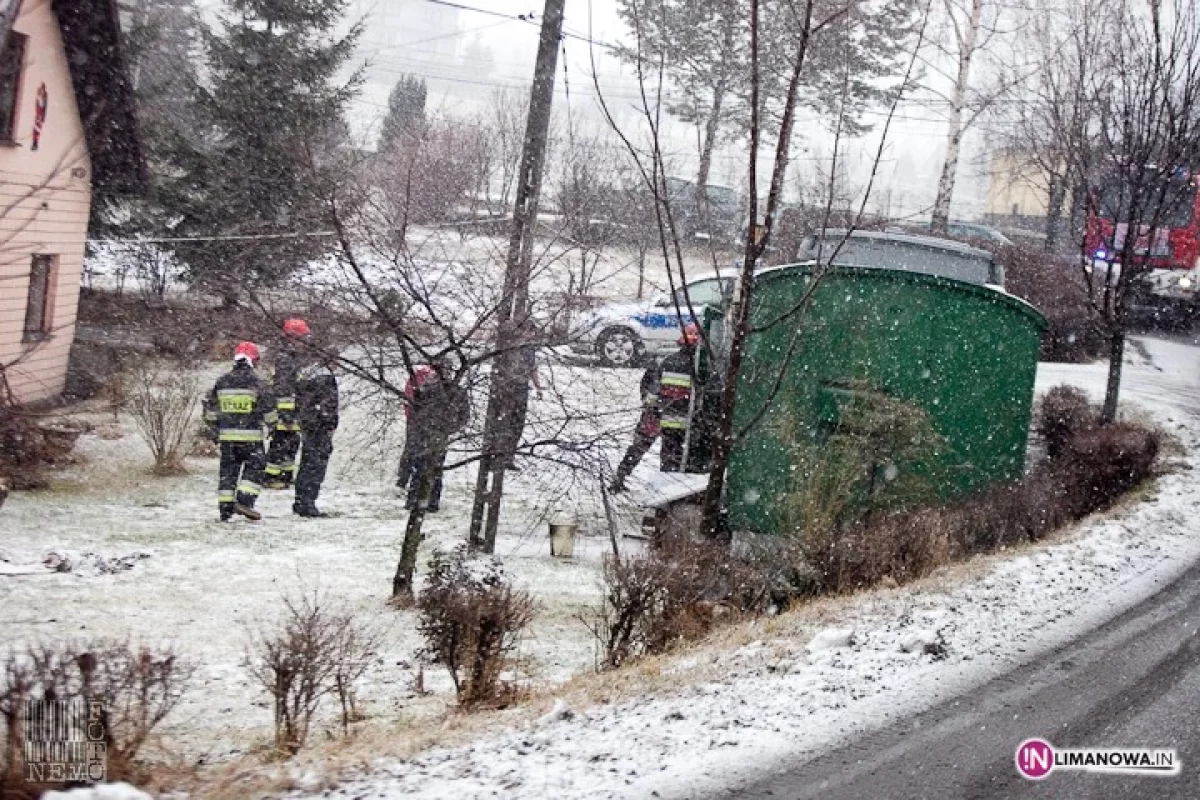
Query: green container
x: 964, y: 354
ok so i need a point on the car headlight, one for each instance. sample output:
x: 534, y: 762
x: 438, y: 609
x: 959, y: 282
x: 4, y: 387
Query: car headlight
x: 1185, y: 282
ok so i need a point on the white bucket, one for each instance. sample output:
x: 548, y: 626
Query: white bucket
x: 562, y: 539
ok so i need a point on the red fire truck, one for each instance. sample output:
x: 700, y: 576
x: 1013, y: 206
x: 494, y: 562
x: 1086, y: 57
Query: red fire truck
x: 1167, y: 243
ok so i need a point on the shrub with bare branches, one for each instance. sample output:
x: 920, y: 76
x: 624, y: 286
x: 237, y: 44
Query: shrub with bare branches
x: 472, y: 620
x: 1052, y: 285
x: 1063, y: 413
x: 674, y: 593
x: 317, y: 649
x: 162, y: 402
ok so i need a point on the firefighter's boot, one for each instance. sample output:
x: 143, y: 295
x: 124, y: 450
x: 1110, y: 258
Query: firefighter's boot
x: 248, y: 512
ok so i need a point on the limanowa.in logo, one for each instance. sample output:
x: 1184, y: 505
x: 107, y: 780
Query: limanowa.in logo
x: 1037, y: 758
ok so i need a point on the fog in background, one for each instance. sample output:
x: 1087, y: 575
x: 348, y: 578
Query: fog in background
x: 466, y: 55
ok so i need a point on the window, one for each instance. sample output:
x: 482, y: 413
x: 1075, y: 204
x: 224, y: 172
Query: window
x: 41, y: 297
x: 702, y: 293
x: 11, y: 58
x: 1168, y: 203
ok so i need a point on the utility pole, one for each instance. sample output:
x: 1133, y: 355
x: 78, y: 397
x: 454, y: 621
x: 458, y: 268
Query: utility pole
x: 509, y: 393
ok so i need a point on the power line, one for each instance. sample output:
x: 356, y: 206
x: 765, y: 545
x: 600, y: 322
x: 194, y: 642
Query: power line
x: 528, y: 18
x: 521, y: 17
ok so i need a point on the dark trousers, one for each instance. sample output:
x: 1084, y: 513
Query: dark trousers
x: 314, y: 461
x: 241, y: 473
x: 638, y: 448
x: 281, y: 456
x: 671, y: 455
x: 416, y: 461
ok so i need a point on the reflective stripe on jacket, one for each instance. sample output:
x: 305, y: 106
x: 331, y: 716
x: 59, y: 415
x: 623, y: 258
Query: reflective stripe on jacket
x: 239, y: 405
x: 675, y: 389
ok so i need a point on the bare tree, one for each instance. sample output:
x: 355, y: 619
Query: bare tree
x: 504, y: 123
x: 766, y: 121
x: 1050, y: 133
x: 972, y: 30
x: 1145, y: 113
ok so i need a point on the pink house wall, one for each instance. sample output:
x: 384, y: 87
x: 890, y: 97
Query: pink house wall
x: 45, y: 196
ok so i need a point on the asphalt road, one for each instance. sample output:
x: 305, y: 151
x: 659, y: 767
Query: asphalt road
x: 1134, y: 682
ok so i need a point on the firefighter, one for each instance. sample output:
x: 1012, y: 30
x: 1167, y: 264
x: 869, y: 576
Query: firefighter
x: 420, y: 374
x: 285, y: 439
x: 317, y: 412
x: 647, y: 429
x: 676, y: 374
x: 440, y: 408
x: 236, y: 410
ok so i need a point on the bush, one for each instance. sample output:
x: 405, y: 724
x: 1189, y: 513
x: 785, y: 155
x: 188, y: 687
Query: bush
x: 1101, y: 464
x: 162, y: 403
x: 28, y: 445
x: 472, y: 620
x: 1089, y: 466
x: 900, y: 546
x: 1064, y: 412
x: 316, y: 650
x: 1054, y: 285
x: 135, y: 689
x: 674, y: 593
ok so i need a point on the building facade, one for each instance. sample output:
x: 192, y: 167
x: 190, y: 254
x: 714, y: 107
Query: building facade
x: 67, y: 135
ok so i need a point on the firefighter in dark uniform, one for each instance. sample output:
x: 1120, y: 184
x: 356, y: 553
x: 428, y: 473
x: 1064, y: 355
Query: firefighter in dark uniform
x: 440, y: 409
x: 676, y: 374
x: 285, y: 439
x: 236, y: 410
x: 647, y: 429
x: 317, y: 412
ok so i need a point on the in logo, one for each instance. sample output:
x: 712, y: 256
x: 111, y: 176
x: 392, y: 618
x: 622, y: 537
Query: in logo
x: 1035, y: 759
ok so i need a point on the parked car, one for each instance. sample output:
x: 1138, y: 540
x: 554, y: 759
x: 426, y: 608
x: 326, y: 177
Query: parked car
x: 623, y: 334
x: 718, y: 216
x: 925, y: 254
x: 965, y: 230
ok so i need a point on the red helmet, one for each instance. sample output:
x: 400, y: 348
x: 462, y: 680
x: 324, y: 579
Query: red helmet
x: 296, y: 327
x: 247, y: 351
x: 690, y: 334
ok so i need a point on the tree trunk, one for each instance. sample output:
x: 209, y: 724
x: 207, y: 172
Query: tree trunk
x: 1054, y: 209
x: 431, y: 467
x: 713, y: 125
x: 954, y: 124
x: 713, y: 508
x: 1116, y: 355
x: 711, y: 129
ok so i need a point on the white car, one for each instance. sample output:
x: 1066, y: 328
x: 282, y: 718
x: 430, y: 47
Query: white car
x: 623, y: 334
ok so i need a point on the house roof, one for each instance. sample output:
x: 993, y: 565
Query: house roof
x: 91, y: 32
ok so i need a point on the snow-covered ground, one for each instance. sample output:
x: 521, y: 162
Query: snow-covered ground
x: 705, y: 718
x: 803, y: 682
x: 132, y: 555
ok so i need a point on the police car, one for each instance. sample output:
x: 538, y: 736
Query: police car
x: 623, y: 334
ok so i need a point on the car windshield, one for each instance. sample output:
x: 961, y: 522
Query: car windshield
x: 701, y: 293
x: 1171, y: 205
x: 900, y: 254
x: 721, y: 196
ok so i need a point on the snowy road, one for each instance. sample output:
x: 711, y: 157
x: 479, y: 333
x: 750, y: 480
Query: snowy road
x: 1134, y: 682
